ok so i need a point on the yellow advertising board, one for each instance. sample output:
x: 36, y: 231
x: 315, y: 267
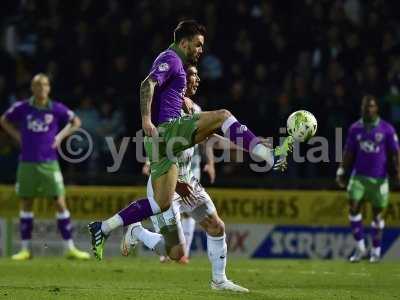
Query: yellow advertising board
x: 251, y: 206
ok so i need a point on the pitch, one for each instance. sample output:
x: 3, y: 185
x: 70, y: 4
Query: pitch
x: 146, y: 278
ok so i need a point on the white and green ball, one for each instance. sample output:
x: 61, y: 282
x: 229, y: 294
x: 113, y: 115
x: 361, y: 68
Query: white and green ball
x: 302, y: 125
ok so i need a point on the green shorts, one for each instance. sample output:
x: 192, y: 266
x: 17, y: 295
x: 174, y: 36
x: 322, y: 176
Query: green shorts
x: 174, y: 137
x: 39, y: 180
x: 375, y: 190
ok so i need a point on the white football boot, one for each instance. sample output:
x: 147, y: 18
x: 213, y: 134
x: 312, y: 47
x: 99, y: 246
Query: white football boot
x: 358, y: 255
x: 228, y: 285
x: 129, y: 240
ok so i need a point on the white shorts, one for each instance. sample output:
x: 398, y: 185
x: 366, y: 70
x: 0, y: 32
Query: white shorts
x: 202, y: 208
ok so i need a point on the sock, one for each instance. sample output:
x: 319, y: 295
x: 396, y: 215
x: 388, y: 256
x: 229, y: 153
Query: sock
x: 376, y: 235
x: 65, y: 228
x: 135, y: 212
x: 239, y: 134
x: 188, y: 226
x: 217, y: 252
x: 26, y: 227
x: 358, y: 230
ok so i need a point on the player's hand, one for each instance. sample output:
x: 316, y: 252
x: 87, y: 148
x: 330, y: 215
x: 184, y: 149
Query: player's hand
x: 56, y: 142
x: 146, y: 169
x: 340, y: 180
x: 185, y: 191
x: 187, y: 105
x: 149, y: 129
x: 209, y: 168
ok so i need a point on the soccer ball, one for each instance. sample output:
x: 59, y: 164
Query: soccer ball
x: 302, y: 125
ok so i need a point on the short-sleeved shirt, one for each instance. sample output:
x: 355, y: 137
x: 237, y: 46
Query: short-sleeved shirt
x: 371, y: 145
x: 38, y: 128
x: 168, y: 70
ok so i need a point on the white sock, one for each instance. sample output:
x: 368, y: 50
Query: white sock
x: 188, y: 226
x: 361, y: 245
x: 112, y: 223
x: 264, y: 153
x: 376, y: 251
x: 228, y: 123
x: 217, y: 252
x: 69, y: 244
x: 25, y: 244
x: 149, y: 239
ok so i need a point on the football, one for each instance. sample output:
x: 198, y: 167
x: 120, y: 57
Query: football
x: 302, y: 125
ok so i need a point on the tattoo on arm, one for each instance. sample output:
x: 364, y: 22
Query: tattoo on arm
x: 146, y: 96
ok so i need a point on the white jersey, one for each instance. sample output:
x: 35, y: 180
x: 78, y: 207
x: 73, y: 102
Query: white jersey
x: 190, y: 159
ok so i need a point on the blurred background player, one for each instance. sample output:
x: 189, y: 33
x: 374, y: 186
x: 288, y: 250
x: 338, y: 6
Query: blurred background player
x: 190, y: 200
x: 35, y: 125
x: 188, y: 223
x: 371, y: 150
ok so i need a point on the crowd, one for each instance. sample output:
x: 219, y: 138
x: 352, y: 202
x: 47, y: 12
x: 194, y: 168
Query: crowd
x: 263, y: 59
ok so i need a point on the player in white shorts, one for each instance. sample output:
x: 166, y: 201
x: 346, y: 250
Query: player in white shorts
x: 192, y: 199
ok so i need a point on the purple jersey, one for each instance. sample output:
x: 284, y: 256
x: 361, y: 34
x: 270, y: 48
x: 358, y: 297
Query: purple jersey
x: 170, y: 75
x: 371, y: 147
x: 38, y: 128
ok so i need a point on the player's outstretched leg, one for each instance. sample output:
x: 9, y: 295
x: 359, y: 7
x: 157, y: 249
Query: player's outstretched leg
x: 217, y: 253
x: 134, y: 212
x: 242, y: 136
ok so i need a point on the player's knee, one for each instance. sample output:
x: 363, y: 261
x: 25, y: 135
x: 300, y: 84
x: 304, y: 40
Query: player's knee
x: 224, y: 114
x: 216, y: 228
x: 354, y: 208
x: 176, y: 252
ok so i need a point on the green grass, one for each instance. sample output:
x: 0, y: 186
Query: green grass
x: 146, y: 278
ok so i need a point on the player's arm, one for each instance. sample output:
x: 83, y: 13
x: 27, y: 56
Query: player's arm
x: 350, y: 150
x: 146, y: 97
x: 73, y: 125
x: 395, y: 165
x: 344, y: 168
x: 10, y: 129
x: 393, y: 149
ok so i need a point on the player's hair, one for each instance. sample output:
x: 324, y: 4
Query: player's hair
x: 369, y: 97
x: 187, y: 29
x: 40, y: 75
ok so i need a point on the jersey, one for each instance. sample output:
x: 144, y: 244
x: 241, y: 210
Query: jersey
x: 169, y: 72
x: 371, y: 145
x: 190, y: 159
x: 38, y: 128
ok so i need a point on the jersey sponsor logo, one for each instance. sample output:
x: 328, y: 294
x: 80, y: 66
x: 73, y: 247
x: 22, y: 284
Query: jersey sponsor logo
x: 48, y: 118
x: 163, y: 67
x: 378, y: 137
x: 37, y: 125
x: 369, y: 147
x: 242, y: 128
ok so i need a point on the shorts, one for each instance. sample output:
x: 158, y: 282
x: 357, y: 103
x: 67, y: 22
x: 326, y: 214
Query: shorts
x: 174, y: 137
x: 202, y: 208
x: 42, y: 179
x: 375, y: 190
